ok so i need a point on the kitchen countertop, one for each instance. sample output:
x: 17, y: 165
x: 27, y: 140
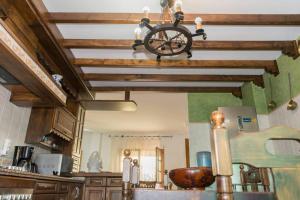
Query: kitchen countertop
x: 10, y: 173
x: 100, y: 174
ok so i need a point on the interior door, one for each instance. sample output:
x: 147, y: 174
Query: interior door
x: 160, y: 164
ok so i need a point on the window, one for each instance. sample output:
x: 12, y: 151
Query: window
x: 147, y: 161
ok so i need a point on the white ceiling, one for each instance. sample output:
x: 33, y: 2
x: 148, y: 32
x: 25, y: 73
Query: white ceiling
x: 163, y: 84
x: 172, y: 71
x: 189, y: 6
x: 197, y: 55
x: 157, y: 113
x: 231, y: 33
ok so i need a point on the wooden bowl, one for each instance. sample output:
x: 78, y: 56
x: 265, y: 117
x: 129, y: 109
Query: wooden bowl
x: 192, y: 178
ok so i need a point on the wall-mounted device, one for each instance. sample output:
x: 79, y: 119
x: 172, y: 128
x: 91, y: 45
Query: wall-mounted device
x: 240, y: 119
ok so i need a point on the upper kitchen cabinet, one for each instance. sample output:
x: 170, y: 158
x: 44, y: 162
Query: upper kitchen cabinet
x: 75, y: 148
x: 51, y: 127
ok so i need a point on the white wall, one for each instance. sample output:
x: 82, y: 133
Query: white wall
x: 174, y: 151
x: 199, y: 136
x: 281, y: 116
x: 13, y: 122
x: 95, y: 141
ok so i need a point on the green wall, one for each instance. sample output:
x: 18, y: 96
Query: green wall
x: 201, y: 105
x: 280, y: 83
x: 254, y: 96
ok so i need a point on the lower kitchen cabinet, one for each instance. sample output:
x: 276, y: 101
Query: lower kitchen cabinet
x: 45, y: 197
x: 113, y: 193
x: 94, y: 193
x: 102, y: 186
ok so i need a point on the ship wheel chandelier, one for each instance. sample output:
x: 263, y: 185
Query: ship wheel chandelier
x: 167, y: 38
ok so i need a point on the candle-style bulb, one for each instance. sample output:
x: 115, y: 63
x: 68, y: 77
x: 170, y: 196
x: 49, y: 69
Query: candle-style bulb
x: 198, y: 22
x: 138, y: 33
x: 146, y: 11
x: 178, y: 5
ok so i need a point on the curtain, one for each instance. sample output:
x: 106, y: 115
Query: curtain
x: 142, y: 149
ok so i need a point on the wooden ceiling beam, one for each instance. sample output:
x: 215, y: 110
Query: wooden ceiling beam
x: 236, y: 91
x: 208, y: 19
x: 289, y: 48
x: 257, y: 79
x: 269, y: 66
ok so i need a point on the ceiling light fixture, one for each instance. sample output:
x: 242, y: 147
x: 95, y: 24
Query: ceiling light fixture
x: 167, y: 39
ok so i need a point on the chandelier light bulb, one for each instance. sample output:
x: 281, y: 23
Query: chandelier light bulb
x: 178, y: 5
x: 138, y: 33
x: 146, y: 11
x: 198, y: 22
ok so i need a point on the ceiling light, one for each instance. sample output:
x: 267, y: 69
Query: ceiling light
x: 168, y: 39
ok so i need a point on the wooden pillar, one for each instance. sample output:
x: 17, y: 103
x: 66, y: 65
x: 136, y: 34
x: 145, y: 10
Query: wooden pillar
x: 221, y: 157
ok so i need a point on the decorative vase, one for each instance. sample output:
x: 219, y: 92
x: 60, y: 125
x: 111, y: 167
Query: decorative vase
x: 204, y: 159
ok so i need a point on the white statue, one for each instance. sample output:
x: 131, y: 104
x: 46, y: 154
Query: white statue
x: 95, y: 163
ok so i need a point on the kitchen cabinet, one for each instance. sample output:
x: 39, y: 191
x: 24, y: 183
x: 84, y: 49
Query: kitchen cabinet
x: 45, y: 197
x: 41, y: 187
x: 77, y: 142
x: 74, y: 148
x: 102, y: 186
x: 113, y: 193
x: 95, y: 193
x: 44, y: 121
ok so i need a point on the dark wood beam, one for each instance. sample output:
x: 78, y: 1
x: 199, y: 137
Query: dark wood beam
x: 33, y: 11
x: 208, y: 19
x: 236, y: 91
x: 257, y: 79
x: 269, y: 66
x: 21, y: 96
x: 289, y: 48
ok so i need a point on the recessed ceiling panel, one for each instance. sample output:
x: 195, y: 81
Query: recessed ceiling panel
x: 232, y: 33
x: 197, y: 55
x: 172, y: 71
x: 163, y: 84
x: 189, y: 6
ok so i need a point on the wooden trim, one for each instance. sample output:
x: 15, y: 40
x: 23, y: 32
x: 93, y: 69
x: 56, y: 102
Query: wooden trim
x: 187, y: 152
x: 208, y: 19
x: 287, y: 47
x: 257, y: 79
x: 236, y: 91
x: 269, y: 65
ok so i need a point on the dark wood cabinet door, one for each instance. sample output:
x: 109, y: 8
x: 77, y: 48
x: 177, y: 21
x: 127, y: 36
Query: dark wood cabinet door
x: 94, y: 193
x: 45, y: 197
x: 114, y: 193
x: 62, y: 197
x: 64, y: 122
